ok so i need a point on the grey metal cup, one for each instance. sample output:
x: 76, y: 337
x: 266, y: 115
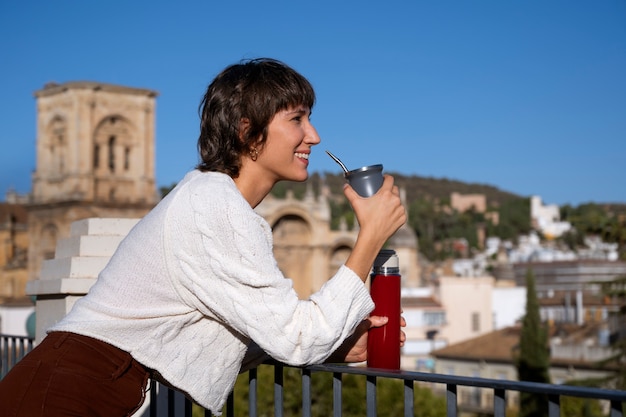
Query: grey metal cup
x: 366, y: 181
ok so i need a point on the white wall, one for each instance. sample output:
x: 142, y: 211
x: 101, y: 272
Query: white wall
x: 509, y: 306
x: 463, y: 298
x: 13, y: 319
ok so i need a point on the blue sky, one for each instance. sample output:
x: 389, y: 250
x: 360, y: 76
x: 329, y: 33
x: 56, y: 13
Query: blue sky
x: 528, y: 96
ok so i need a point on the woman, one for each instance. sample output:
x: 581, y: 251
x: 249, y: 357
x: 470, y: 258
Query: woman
x: 194, y: 286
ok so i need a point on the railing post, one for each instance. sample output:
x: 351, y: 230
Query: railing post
x: 337, y: 406
x: 409, y: 398
x: 451, y: 400
x: 278, y: 391
x: 188, y: 407
x: 371, y: 396
x: 4, y: 357
x: 171, y: 403
x: 252, y: 392
x: 306, y: 393
x: 499, y: 402
x: 230, y: 405
x: 554, y: 405
x: 616, y: 409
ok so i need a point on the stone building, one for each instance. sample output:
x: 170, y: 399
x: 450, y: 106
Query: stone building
x: 95, y: 157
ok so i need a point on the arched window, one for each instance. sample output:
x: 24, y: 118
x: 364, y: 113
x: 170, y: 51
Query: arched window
x: 112, y: 153
x: 56, y: 145
x: 112, y: 146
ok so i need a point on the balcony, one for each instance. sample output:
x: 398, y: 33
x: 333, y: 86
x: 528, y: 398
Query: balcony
x: 461, y: 394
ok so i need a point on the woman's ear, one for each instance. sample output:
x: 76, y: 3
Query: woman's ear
x: 244, y: 125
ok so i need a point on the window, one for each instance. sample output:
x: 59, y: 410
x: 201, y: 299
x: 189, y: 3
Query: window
x: 475, y: 322
x: 437, y: 318
x: 112, y: 153
x: 96, y: 156
x: 126, y: 158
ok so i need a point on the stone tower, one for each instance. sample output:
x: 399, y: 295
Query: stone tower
x: 95, y: 158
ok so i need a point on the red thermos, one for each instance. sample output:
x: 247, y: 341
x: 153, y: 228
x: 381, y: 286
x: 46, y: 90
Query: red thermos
x: 383, y: 343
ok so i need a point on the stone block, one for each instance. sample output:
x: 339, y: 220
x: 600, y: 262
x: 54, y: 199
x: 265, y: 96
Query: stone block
x: 49, y: 311
x: 102, y: 245
x: 74, y: 267
x: 102, y: 226
x: 65, y: 286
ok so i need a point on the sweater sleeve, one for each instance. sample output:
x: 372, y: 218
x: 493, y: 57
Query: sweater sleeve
x: 226, y: 270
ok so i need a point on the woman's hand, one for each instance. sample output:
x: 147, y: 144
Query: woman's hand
x: 354, y: 348
x: 383, y: 212
x: 379, y: 217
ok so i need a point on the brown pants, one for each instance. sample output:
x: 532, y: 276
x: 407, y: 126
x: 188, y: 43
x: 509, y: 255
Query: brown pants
x: 72, y: 375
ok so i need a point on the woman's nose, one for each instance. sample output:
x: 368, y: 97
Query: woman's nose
x: 311, y: 136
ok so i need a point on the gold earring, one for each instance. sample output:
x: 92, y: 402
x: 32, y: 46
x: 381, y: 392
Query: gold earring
x: 254, y: 154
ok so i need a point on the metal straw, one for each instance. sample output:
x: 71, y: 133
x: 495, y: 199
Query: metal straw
x: 338, y: 161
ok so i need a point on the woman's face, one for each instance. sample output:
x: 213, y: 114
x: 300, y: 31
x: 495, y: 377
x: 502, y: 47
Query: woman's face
x: 285, y: 154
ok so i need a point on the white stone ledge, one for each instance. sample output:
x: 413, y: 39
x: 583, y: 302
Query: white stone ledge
x: 77, y: 286
x: 102, y: 226
x: 73, y: 267
x: 103, y: 246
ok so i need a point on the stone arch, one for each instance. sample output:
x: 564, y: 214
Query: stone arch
x: 292, y: 235
x: 291, y: 229
x: 114, y: 141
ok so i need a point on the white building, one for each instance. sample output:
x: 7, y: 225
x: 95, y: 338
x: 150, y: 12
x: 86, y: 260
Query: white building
x: 547, y: 219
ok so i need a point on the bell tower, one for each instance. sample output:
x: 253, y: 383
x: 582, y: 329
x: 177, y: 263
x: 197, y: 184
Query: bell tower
x: 95, y: 158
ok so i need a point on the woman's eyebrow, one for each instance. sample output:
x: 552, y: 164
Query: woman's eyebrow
x: 299, y: 109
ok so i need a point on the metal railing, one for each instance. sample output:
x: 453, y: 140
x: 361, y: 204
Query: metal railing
x: 12, y: 350
x: 616, y: 399
x: 165, y: 402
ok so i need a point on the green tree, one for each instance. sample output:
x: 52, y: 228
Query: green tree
x: 514, y: 219
x: 605, y: 221
x: 533, y: 355
x: 423, y: 217
x: 165, y: 189
x: 580, y: 407
x: 426, y: 404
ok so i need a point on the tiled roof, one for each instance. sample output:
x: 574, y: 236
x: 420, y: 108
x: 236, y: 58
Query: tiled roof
x: 495, y: 346
x: 421, y: 302
x: 499, y: 345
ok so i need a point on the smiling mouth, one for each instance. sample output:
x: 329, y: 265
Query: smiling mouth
x: 302, y: 155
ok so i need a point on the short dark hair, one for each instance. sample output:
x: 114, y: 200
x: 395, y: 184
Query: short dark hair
x: 254, y: 91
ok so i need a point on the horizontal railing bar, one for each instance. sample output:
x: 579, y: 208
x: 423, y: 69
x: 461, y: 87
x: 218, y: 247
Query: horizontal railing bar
x: 533, y: 387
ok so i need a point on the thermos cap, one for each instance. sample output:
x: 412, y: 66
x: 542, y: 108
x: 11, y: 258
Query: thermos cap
x: 386, y: 258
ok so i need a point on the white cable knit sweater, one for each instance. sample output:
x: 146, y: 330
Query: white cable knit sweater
x: 195, y: 283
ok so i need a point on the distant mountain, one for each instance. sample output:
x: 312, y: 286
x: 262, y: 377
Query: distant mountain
x: 416, y: 187
x: 441, y: 188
